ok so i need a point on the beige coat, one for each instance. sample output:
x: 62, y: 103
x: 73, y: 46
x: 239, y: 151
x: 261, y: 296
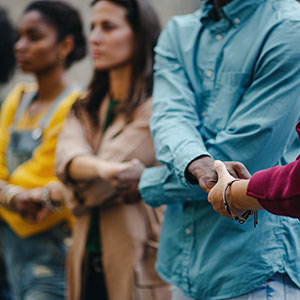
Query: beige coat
x: 129, y: 232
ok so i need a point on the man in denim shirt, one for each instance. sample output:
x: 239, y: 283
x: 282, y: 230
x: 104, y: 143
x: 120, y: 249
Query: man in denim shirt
x: 227, y: 87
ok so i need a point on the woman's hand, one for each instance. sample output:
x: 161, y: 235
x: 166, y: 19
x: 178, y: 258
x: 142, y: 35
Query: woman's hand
x: 215, y: 196
x: 127, y: 181
x: 107, y: 169
x: 28, y: 204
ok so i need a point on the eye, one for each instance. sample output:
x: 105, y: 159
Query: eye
x: 107, y: 26
x: 33, y: 37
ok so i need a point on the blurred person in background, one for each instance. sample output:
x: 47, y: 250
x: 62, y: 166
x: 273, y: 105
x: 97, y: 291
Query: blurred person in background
x: 116, y: 234
x: 50, y: 39
x: 7, y: 57
x: 7, y: 63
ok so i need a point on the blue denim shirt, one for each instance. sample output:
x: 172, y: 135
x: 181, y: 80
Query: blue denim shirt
x: 231, y: 90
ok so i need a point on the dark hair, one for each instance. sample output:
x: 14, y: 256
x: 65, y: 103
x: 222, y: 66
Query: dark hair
x: 7, y: 40
x: 67, y: 21
x: 146, y: 27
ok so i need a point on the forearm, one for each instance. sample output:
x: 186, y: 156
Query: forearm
x: 83, y: 167
x: 88, y: 167
x: 239, y: 199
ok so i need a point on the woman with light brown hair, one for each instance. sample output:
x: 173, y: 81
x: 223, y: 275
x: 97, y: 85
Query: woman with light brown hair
x: 104, y: 147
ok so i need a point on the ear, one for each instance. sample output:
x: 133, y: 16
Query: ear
x: 66, y: 45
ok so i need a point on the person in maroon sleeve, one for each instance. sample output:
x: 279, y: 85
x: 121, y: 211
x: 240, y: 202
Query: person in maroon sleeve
x: 276, y: 189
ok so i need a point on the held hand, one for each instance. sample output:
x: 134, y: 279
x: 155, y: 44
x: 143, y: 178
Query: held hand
x: 215, y: 196
x: 204, y: 171
x: 28, y: 203
x: 237, y: 169
x: 107, y: 169
x: 127, y: 182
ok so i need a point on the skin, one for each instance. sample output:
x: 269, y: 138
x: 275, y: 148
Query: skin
x: 203, y: 170
x: 111, y: 42
x: 236, y: 195
x: 38, y: 52
x: 219, y: 4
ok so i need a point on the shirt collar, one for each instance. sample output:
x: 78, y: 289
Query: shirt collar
x: 235, y: 11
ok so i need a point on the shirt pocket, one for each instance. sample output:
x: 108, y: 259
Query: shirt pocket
x: 227, y: 92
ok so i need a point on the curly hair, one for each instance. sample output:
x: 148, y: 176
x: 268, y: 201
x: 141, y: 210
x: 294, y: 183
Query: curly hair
x: 7, y: 38
x: 67, y: 21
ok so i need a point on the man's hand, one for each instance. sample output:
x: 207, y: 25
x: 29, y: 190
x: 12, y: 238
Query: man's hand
x: 127, y: 181
x: 204, y: 171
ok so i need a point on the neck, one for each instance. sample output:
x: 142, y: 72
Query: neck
x: 119, y: 82
x: 51, y: 84
x: 220, y: 3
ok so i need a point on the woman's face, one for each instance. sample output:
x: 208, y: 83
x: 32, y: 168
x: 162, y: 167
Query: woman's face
x: 37, y: 49
x: 111, y: 38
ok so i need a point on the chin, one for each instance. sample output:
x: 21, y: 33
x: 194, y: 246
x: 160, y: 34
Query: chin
x: 101, y: 67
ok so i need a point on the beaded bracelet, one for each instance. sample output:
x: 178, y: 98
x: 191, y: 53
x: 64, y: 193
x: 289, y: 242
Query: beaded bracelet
x: 245, y: 215
x: 48, y: 202
x: 7, y: 194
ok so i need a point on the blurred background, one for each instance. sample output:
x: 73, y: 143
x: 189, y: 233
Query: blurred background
x: 82, y: 71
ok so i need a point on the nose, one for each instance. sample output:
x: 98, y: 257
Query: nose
x: 21, y: 45
x: 96, y: 36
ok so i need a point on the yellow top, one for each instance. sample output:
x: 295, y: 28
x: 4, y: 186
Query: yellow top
x: 39, y: 170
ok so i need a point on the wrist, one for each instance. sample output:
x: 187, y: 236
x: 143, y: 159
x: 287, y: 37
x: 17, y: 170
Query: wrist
x: 9, y: 194
x: 195, y: 169
x: 51, y: 197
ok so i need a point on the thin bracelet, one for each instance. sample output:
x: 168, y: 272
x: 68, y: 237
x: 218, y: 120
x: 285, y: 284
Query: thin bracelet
x: 47, y: 200
x: 245, y: 216
x: 8, y: 193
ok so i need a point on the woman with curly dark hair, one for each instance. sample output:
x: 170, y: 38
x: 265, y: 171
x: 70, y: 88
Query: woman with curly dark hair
x: 7, y: 38
x: 50, y: 39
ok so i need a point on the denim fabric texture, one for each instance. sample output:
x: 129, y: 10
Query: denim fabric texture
x: 36, y: 265
x: 279, y: 287
x: 231, y: 90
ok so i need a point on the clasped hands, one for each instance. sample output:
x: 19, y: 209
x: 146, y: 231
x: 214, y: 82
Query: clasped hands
x: 124, y: 176
x: 213, y: 177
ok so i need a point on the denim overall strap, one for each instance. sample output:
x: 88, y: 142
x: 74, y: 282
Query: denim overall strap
x: 27, y: 100
x: 44, y: 122
x: 24, y: 142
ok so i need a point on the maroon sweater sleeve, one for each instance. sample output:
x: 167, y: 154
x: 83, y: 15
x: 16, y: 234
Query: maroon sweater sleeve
x: 278, y: 189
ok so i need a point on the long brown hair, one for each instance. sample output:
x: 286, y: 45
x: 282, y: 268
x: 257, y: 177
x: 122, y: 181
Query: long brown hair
x: 145, y: 25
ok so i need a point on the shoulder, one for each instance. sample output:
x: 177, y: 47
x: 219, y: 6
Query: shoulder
x: 179, y: 31
x: 12, y: 101
x: 75, y: 94
x: 144, y: 110
x: 286, y: 10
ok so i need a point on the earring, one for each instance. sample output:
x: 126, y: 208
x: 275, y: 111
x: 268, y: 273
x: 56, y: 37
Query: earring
x: 61, y: 56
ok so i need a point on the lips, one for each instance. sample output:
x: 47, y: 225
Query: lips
x: 97, y: 53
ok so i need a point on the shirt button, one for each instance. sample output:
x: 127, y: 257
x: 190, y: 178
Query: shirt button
x: 219, y: 37
x: 237, y: 21
x: 209, y: 74
x: 188, y: 231
x: 182, y: 180
x: 204, y: 114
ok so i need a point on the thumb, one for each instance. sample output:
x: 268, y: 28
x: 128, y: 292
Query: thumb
x: 221, y: 169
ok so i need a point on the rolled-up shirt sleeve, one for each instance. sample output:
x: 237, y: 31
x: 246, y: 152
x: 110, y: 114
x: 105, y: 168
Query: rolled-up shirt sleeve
x: 175, y: 118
